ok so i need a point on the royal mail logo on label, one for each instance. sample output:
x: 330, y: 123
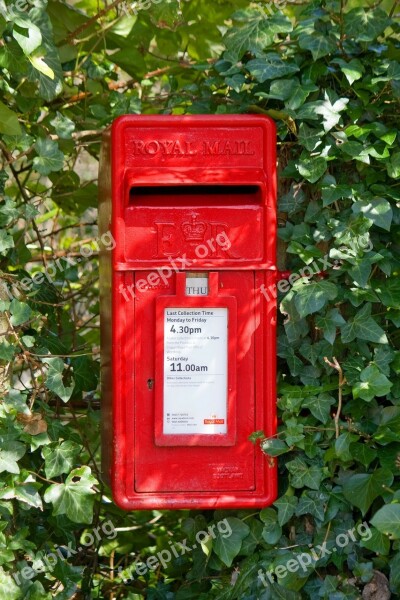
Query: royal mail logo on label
x: 193, y: 148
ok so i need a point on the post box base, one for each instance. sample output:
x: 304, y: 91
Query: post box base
x: 191, y: 501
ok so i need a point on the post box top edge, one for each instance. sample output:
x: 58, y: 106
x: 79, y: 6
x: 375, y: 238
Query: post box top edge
x: 235, y: 120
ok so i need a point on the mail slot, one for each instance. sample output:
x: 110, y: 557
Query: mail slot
x: 188, y: 337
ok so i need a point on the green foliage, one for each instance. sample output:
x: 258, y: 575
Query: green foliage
x: 329, y: 74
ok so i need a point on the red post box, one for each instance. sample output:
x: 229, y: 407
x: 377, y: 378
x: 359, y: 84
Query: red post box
x: 188, y: 338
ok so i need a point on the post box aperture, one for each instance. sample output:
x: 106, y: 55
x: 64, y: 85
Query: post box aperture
x: 188, y: 339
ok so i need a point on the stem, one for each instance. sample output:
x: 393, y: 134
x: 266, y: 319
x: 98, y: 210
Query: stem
x: 393, y: 8
x: 342, y: 380
x: 89, y: 22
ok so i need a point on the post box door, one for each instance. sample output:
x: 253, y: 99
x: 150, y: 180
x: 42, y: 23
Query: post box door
x: 197, y: 463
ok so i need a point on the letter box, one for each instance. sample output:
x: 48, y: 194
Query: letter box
x: 188, y: 336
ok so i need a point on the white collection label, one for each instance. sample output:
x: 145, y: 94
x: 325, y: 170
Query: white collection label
x: 195, y: 370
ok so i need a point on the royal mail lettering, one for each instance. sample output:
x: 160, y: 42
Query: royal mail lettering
x: 227, y: 148
x: 190, y: 148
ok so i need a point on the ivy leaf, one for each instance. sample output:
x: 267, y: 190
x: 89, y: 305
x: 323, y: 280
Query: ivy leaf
x: 313, y: 503
x: 49, y: 87
x: 8, y: 589
x: 364, y: 327
x: 60, y: 458
x: 10, y: 453
x: 384, y: 357
x: 355, y: 150
x: 286, y: 506
x: 25, y: 491
x: 393, y: 166
x: 54, y: 380
x: 389, y: 425
x: 293, y: 431
x: 271, y: 66
x: 312, y: 169
x: 85, y: 373
x: 378, y: 542
x: 274, y: 447
x: 320, y: 406
x: 394, y: 580
x: 27, y: 34
x: 361, y: 489
x: 50, y: 158
x: 363, y: 453
x: 292, y: 201
x: 365, y: 25
x: 299, y: 95
x: 361, y: 271
x: 9, y: 123
x: 272, y: 531
x: 329, y: 324
x: 378, y: 210
x: 372, y: 384
x: 389, y: 292
x: 251, y: 542
x: 311, y: 297
x: 303, y: 474
x: 20, y: 312
x: 3, y: 179
x: 228, y: 547
x: 6, y: 242
x: 281, y: 89
x: 63, y: 126
x: 334, y: 191
x: 7, y: 351
x: 319, y: 44
x: 387, y: 520
x: 253, y: 37
x: 342, y: 445
x: 74, y: 498
x: 256, y: 435
x: 291, y: 90
x: 353, y: 70
x: 40, y: 65
x: 309, y: 137
x: 9, y: 211
x: 389, y: 70
x: 331, y: 112
x: 28, y: 340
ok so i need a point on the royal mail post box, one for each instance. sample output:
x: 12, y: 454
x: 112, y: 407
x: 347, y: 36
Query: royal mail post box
x: 188, y: 338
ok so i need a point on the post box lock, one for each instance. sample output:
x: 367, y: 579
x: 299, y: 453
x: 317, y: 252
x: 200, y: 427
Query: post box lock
x: 188, y: 341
